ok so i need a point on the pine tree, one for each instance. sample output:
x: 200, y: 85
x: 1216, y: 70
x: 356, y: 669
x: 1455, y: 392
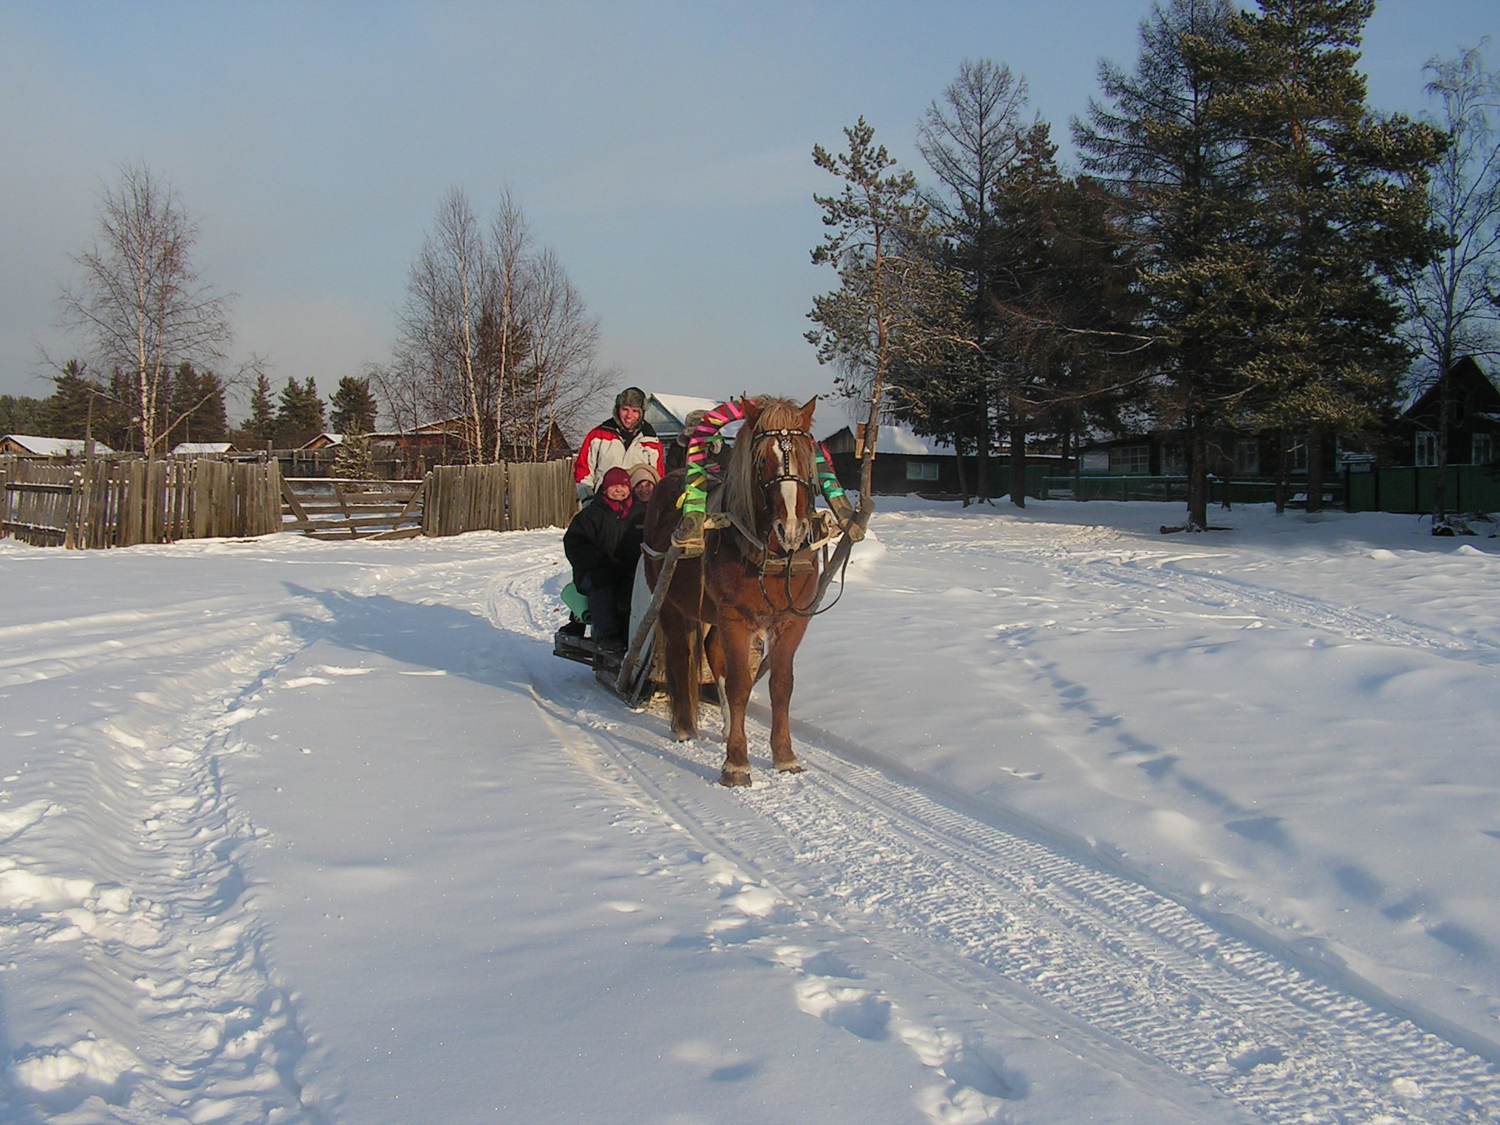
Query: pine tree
x: 22, y: 414
x: 1173, y: 171
x: 1340, y: 210
x: 314, y: 405
x: 194, y: 407
x: 261, y: 425
x: 893, y: 301
x: 353, y: 406
x: 299, y: 415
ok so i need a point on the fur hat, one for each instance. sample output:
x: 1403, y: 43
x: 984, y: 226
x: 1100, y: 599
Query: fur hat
x: 630, y: 396
x: 614, y: 476
x: 689, y: 424
x: 643, y: 472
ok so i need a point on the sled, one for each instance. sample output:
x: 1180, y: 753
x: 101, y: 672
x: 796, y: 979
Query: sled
x: 634, y: 673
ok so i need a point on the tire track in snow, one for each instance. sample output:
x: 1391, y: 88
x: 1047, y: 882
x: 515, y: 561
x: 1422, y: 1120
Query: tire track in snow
x: 1130, y: 965
x: 924, y: 880
x: 1279, y: 607
x: 128, y: 887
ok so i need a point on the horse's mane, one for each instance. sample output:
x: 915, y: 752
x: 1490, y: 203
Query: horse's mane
x: 741, y: 487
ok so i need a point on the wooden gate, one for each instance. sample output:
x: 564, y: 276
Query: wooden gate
x: 334, y: 508
x: 41, y: 505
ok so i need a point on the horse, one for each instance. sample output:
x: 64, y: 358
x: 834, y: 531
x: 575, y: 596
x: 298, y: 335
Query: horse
x: 748, y: 585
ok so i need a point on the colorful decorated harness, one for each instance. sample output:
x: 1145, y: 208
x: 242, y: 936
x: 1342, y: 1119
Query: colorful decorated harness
x: 695, y: 482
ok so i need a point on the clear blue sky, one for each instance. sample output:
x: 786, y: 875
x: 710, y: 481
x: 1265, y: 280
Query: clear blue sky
x: 662, y: 149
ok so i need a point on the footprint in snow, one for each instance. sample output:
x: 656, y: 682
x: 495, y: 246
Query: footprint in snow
x: 856, y: 1010
x: 62, y: 1076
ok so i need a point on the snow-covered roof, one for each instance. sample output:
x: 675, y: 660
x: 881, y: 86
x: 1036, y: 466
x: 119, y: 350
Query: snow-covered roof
x: 201, y: 448
x: 52, y: 447
x: 680, y: 406
x: 896, y: 438
x: 325, y: 438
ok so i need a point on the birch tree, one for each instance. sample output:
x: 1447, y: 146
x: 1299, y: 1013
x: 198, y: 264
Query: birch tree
x: 447, y: 292
x: 139, y: 301
x: 970, y: 137
x: 1449, y: 307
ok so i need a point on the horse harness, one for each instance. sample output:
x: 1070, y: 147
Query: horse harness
x: 759, y: 560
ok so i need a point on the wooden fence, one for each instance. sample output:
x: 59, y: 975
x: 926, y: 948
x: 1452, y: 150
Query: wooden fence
x: 124, y: 502
x: 337, y: 508
x: 518, y: 496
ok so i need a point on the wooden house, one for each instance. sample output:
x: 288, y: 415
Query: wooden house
x: 666, y: 414
x: 28, y: 445
x: 325, y: 440
x: 1473, y: 419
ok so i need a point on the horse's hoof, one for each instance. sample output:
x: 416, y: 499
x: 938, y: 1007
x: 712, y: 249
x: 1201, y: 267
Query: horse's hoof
x: 684, y: 735
x: 793, y: 766
x: 735, y: 775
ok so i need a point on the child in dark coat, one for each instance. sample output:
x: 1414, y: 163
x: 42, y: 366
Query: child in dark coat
x: 603, y: 555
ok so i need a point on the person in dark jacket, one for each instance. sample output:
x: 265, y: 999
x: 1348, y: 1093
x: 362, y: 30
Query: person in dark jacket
x: 602, y: 547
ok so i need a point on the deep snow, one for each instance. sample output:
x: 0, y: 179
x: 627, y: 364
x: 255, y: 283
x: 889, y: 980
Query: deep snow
x: 1099, y: 824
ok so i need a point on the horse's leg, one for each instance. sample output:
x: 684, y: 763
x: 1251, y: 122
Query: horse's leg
x: 734, y: 641
x: 682, y: 679
x: 783, y: 651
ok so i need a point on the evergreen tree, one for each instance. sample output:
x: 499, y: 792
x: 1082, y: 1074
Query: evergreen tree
x: 890, y: 307
x: 261, y: 425
x: 1340, y: 210
x: 355, y: 460
x: 316, y: 408
x: 299, y: 415
x: 353, y: 406
x: 80, y: 407
x: 22, y: 414
x: 1173, y: 172
x: 195, y: 410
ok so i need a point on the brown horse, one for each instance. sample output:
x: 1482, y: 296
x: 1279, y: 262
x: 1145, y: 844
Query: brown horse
x: 747, y: 585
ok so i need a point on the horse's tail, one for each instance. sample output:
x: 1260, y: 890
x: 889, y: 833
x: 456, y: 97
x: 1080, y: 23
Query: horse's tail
x: 695, y: 667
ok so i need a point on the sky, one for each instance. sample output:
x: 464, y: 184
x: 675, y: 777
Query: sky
x: 1096, y: 825
x: 663, y: 150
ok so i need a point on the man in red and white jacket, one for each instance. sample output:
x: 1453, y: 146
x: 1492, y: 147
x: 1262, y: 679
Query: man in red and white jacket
x: 624, y: 439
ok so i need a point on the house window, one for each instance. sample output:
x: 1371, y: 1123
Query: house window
x: 921, y: 470
x: 1484, y: 449
x: 1296, y: 458
x: 1246, y: 458
x: 1173, y: 461
x: 1426, y: 451
x: 1130, y: 460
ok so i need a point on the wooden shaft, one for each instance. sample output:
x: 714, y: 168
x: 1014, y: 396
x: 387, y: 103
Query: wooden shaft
x: 841, y: 553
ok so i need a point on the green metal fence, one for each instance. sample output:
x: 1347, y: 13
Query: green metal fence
x: 1468, y: 488
x: 1094, y: 486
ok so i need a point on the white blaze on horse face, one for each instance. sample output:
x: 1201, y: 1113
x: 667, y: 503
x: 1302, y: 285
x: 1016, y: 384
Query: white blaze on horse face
x: 791, y: 532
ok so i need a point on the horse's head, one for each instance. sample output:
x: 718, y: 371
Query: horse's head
x: 779, y: 470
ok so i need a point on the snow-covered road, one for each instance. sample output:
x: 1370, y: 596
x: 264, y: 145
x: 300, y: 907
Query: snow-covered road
x: 1098, y: 825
